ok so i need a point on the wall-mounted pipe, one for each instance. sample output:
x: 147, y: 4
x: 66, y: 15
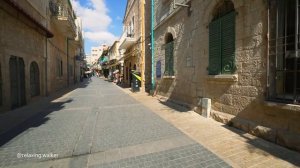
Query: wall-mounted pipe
x: 152, y: 46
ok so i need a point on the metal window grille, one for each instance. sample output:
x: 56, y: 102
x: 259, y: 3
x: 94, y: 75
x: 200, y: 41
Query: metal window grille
x: 284, y: 51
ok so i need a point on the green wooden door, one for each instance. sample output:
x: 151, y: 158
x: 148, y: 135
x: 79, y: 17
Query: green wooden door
x: 169, y: 59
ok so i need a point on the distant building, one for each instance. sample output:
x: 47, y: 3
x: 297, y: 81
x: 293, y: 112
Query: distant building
x: 133, y: 40
x: 96, y: 52
x: 40, y: 52
x: 115, y: 63
x: 93, y: 58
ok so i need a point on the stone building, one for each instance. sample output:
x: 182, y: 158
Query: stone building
x: 62, y: 47
x: 36, y: 49
x: 96, y: 52
x: 79, y: 51
x: 148, y: 53
x: 133, y: 41
x: 114, y: 56
x: 23, y: 33
x: 234, y: 54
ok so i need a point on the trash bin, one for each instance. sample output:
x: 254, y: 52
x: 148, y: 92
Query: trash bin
x: 136, y: 81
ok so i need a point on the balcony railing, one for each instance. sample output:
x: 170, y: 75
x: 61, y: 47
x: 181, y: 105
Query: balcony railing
x: 63, y: 12
x: 127, y: 38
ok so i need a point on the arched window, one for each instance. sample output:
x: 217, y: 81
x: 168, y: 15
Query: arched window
x: 222, y: 39
x: 34, y: 79
x: 169, y: 55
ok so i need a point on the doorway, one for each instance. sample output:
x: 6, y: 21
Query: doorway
x: 17, y: 82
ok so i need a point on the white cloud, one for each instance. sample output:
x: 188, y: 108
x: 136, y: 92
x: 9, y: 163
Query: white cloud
x: 101, y: 37
x: 95, y: 20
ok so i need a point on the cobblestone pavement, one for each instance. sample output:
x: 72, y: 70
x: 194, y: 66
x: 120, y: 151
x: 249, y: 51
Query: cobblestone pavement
x: 100, y: 126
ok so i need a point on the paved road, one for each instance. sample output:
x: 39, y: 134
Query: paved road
x: 98, y: 125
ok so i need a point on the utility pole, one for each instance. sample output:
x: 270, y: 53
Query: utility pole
x: 152, y: 46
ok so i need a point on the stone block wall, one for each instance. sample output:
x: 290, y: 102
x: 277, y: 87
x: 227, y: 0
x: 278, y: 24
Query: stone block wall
x: 238, y: 99
x: 57, y: 51
x: 20, y: 39
x: 148, y: 56
x: 133, y: 54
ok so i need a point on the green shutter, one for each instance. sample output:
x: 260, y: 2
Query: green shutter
x: 214, y: 47
x: 166, y: 60
x: 169, y: 59
x: 228, y: 43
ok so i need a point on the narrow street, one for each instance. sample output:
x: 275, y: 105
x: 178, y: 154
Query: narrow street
x: 99, y: 125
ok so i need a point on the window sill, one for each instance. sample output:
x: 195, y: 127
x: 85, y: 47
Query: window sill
x: 223, y: 78
x: 168, y: 77
x: 284, y: 106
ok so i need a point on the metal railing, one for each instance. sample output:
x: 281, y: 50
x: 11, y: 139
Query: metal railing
x: 283, y: 54
x: 61, y: 10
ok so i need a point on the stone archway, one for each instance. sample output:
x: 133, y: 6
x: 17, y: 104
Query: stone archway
x: 17, y: 81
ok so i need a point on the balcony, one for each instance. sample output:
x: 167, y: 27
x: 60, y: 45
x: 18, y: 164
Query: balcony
x: 64, y: 18
x: 127, y: 40
x: 79, y: 39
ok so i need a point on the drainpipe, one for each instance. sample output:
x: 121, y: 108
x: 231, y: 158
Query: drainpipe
x: 152, y: 46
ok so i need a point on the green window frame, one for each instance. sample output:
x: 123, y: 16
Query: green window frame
x: 222, y: 45
x: 169, y: 59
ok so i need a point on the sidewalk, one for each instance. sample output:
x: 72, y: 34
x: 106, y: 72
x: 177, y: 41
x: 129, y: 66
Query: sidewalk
x: 9, y: 120
x: 238, y: 148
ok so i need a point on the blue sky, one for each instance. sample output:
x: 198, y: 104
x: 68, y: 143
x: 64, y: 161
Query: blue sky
x: 101, y: 20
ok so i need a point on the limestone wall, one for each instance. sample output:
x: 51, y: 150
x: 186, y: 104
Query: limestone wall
x: 238, y: 99
x: 18, y: 38
x: 133, y: 54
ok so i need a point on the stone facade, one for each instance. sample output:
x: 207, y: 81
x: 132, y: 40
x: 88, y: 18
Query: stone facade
x: 31, y: 45
x: 62, y: 48
x: 21, y: 38
x: 148, y: 56
x: 134, y: 28
x: 238, y: 99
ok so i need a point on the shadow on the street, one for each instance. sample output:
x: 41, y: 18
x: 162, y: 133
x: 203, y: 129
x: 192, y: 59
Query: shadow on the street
x: 175, y: 105
x: 37, y: 120
x: 270, y: 148
x: 34, y: 114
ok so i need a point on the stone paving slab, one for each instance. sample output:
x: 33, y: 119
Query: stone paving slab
x: 99, y: 125
x: 129, y: 125
x: 189, y: 156
x: 238, y: 148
